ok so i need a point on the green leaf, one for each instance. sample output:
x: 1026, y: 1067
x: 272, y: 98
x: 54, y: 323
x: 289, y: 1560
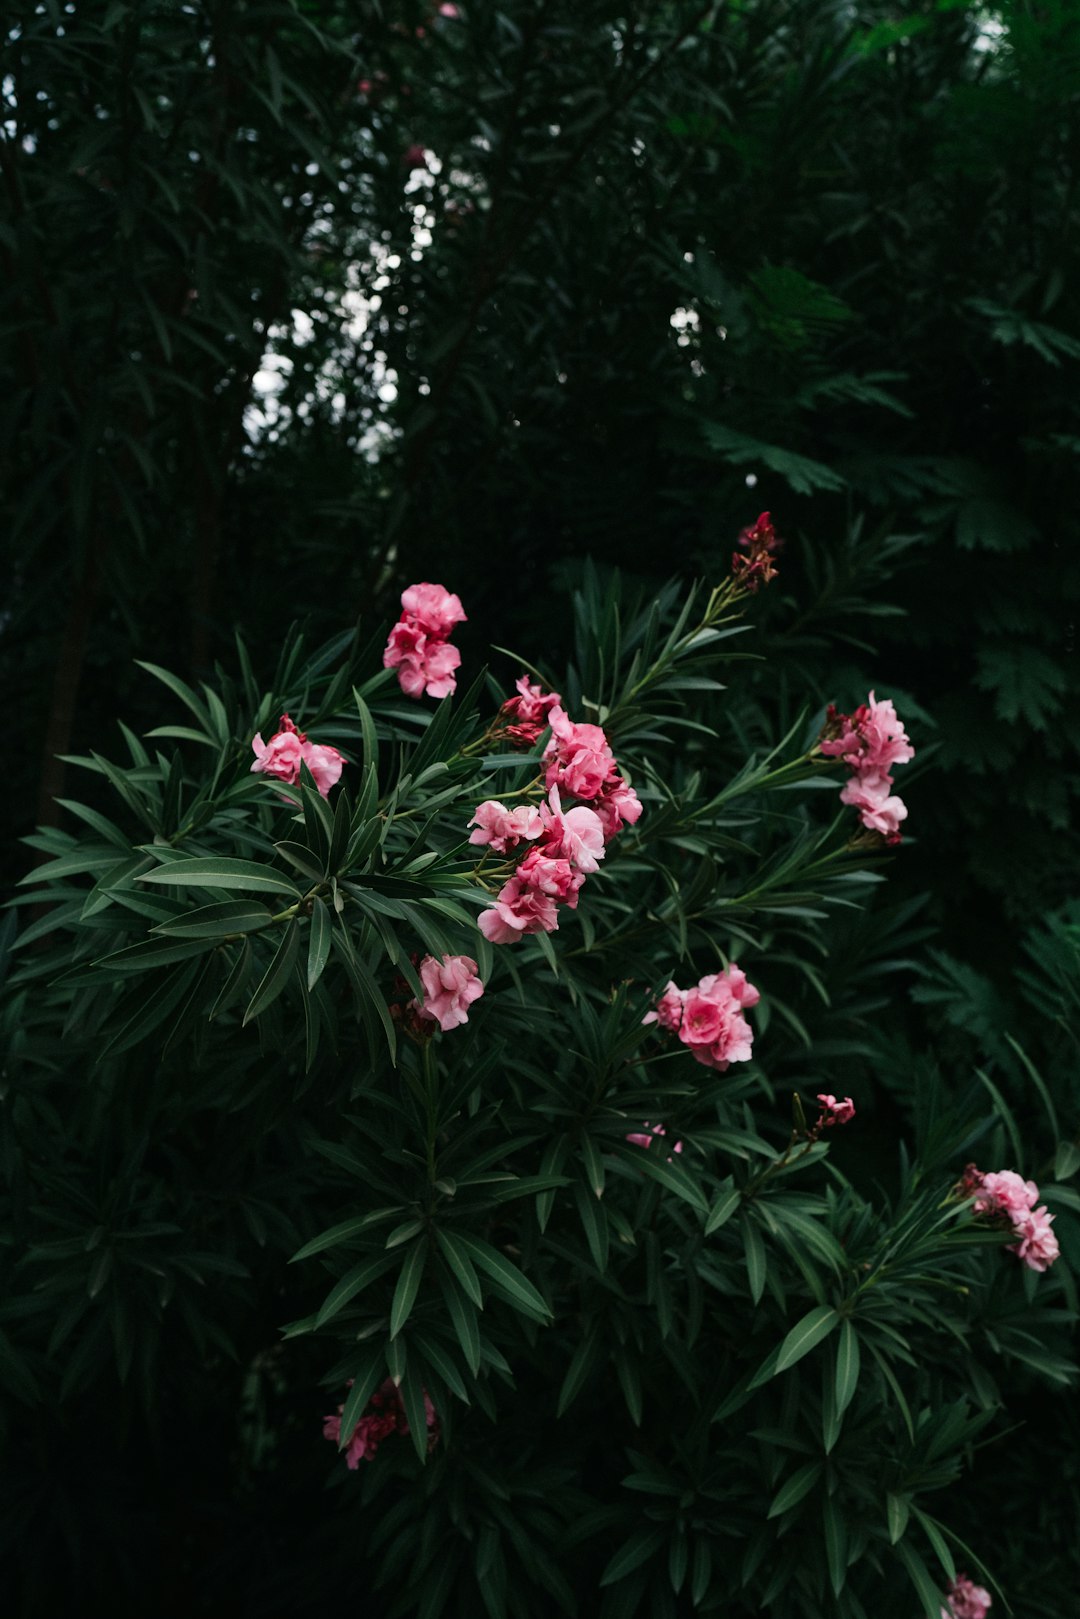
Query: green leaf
x: 756, y: 1259
x: 897, y: 1510
x: 353, y: 1282
x: 847, y: 1367
x: 462, y: 1314
x: 833, y: 1524
x: 799, y: 471
x: 937, y: 1541
x: 441, y: 1364
x: 344, y: 1232
x: 216, y: 921
x: 800, y: 1484
x: 412, y: 1398
x: 458, y: 1259
x: 366, y: 1377
x: 670, y: 1176
x: 722, y: 1210
x: 1066, y: 1160
x: 929, y: 1594
x: 215, y: 871
x: 805, y: 1334
x: 396, y: 1354
x: 582, y: 1363
x: 277, y: 974
x: 518, y: 1289
x: 319, y: 941
x: 637, y: 1550
x: 408, y: 1286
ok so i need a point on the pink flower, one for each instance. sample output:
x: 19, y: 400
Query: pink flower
x: 448, y: 9
x: 417, y: 646
x: 450, y: 987
x: 551, y: 876
x: 384, y: 1416
x: 702, y: 1020
x: 878, y: 810
x: 502, y: 828
x: 574, y: 834
x: 834, y: 1112
x: 709, y: 1018
x: 669, y: 1008
x: 579, y: 758
x: 280, y: 757
x: 1038, y: 1247
x: 325, y: 764
x: 425, y: 665
x: 646, y: 1140
x: 528, y: 711
x: 1006, y: 1194
x: 520, y: 908
x: 433, y: 608
x: 871, y: 740
x: 1005, y: 1191
x: 965, y: 1600
x: 617, y: 806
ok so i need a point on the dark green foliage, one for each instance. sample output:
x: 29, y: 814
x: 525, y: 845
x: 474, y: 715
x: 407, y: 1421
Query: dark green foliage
x: 829, y: 248
x: 733, y: 1378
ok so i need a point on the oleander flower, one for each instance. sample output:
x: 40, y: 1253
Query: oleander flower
x: 325, y: 764
x: 708, y: 1018
x: 879, y: 810
x: 528, y: 711
x: 1038, y: 1247
x: 578, y: 757
x: 574, y: 834
x: 417, y: 646
x: 434, y: 609
x: 451, y: 985
x: 520, y: 908
x: 617, y: 805
x: 965, y: 1600
x: 669, y: 1008
x: 503, y: 829
x: 383, y: 1416
x: 1003, y: 1194
x: 282, y: 756
x: 835, y: 1112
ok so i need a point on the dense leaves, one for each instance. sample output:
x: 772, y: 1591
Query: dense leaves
x: 305, y: 300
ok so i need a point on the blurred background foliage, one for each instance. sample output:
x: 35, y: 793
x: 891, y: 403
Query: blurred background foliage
x: 304, y: 299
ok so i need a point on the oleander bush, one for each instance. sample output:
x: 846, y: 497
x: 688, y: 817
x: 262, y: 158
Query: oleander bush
x: 351, y: 1095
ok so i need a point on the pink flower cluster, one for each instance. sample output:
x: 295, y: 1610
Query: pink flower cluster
x: 1007, y: 1195
x: 528, y: 712
x: 709, y: 1017
x: 966, y: 1600
x: 385, y: 1415
x: 419, y: 648
x: 640, y: 1140
x: 568, y: 844
x: 870, y: 742
x: 834, y: 1112
x: 450, y: 985
x: 580, y: 761
x: 282, y: 756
